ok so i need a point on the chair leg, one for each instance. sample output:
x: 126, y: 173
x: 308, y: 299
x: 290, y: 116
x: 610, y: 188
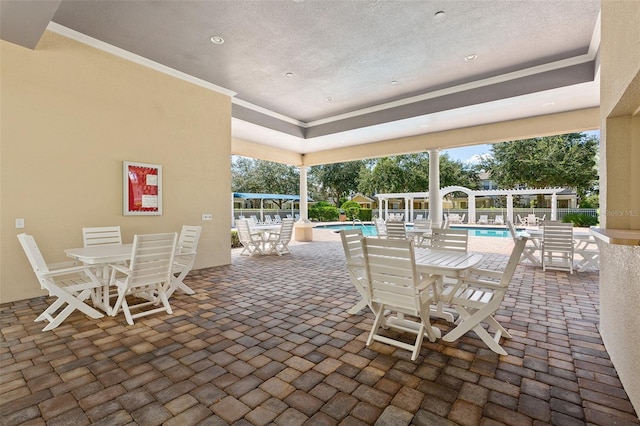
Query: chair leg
x: 73, y: 303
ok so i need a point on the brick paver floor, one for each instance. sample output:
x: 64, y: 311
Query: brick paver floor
x: 267, y: 340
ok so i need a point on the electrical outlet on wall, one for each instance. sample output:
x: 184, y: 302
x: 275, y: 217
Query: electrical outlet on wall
x: 207, y: 216
x: 19, y: 223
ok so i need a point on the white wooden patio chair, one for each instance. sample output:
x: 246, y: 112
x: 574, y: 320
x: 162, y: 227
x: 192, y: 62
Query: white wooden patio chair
x: 395, y: 284
x: 148, y: 274
x: 396, y: 230
x: 477, y: 296
x: 96, y: 236
x: 251, y: 243
x: 184, y: 258
x: 532, y: 249
x: 557, y: 246
x: 70, y: 283
x: 449, y: 239
x: 532, y: 220
x: 589, y: 252
x: 521, y: 221
x: 423, y: 239
x: 419, y: 216
x: 278, y: 242
x: 268, y: 220
x: 483, y: 220
x: 381, y: 227
x: 352, y: 245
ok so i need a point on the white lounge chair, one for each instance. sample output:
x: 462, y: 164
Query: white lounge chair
x: 70, y: 283
x: 477, y: 299
x: 184, y: 259
x: 147, y: 276
x: 484, y: 219
x: 499, y: 220
x: 557, y: 246
x: 277, y: 219
x: 394, y: 284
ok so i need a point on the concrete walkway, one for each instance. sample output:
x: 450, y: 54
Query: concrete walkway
x: 267, y: 340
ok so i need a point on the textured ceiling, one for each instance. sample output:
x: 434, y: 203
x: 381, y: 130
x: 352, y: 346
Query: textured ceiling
x: 367, y: 68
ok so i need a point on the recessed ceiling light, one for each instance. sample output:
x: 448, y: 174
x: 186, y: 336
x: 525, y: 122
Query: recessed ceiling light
x: 289, y: 74
x: 440, y: 15
x: 394, y: 82
x: 471, y: 57
x: 217, y: 40
x: 328, y: 99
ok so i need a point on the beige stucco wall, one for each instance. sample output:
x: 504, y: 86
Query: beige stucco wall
x: 620, y: 189
x: 70, y: 114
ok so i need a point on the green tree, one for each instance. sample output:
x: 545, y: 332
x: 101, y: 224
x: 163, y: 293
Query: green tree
x: 336, y: 181
x: 251, y: 175
x: 553, y: 161
x: 410, y: 173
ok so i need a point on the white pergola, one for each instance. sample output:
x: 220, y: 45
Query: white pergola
x: 408, y: 197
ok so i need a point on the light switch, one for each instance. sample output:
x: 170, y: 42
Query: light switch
x: 19, y: 223
x: 207, y: 216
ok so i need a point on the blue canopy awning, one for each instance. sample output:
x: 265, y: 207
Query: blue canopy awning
x: 255, y: 196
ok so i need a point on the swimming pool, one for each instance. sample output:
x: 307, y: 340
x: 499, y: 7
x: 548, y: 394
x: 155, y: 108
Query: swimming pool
x: 370, y: 230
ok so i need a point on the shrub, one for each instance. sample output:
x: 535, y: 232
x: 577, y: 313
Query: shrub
x: 366, y: 215
x: 235, y: 241
x: 582, y: 220
x: 352, y: 209
x: 323, y: 211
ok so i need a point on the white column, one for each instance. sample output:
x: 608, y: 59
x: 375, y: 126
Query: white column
x: 510, y: 209
x: 406, y: 210
x: 386, y: 208
x: 554, y: 206
x: 304, y: 211
x: 472, y: 209
x: 435, y: 200
x: 380, y: 201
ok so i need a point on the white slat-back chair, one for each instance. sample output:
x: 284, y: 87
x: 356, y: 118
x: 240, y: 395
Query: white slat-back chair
x: 532, y: 249
x: 477, y: 296
x: 396, y: 230
x: 69, y: 283
x: 449, y: 239
x: 557, y: 246
x: 251, y: 243
x: 352, y: 245
x: 423, y: 239
x: 101, y: 235
x: 279, y: 242
x: 184, y: 259
x: 148, y: 274
x: 395, y: 284
x: 381, y: 227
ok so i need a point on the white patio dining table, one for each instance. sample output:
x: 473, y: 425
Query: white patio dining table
x: 584, y: 245
x: 102, y: 256
x: 264, y: 230
x: 442, y: 263
x: 445, y: 263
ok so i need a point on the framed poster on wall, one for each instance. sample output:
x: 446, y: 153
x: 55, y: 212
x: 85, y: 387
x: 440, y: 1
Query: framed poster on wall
x: 142, y: 191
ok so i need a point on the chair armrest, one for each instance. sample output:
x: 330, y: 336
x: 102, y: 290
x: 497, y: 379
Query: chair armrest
x: 67, y: 271
x: 485, y: 273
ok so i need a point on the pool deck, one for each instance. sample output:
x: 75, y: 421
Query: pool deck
x: 267, y: 340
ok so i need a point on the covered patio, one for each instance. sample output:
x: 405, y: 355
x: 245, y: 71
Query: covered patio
x: 246, y: 351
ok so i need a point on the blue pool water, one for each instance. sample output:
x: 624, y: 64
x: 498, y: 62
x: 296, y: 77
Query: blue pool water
x: 370, y: 230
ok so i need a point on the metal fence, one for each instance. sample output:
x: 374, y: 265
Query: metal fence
x: 491, y: 213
